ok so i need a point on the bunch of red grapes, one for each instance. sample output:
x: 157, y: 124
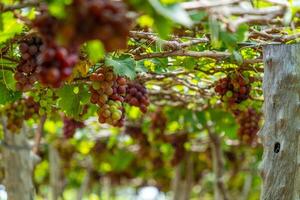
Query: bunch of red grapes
x: 55, y: 65
x: 105, y: 20
x: 136, y: 95
x: 47, y: 25
x: 108, y: 92
x: 159, y: 122
x: 248, y: 121
x: 234, y: 88
x: 178, y: 142
x: 88, y: 20
x: 26, y: 74
x: 70, y: 126
x: 137, y: 134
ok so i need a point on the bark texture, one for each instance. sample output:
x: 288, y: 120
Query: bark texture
x: 280, y: 168
x: 19, y: 163
x: 183, y: 179
x: 220, y: 191
x: 56, y: 182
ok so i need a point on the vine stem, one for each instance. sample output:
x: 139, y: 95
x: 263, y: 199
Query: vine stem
x: 39, y: 134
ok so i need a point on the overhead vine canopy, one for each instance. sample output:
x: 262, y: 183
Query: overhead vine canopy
x: 158, y: 71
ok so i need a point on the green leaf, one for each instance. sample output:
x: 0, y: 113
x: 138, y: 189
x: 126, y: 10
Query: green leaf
x: 223, y: 122
x: 122, y: 66
x: 173, y: 12
x: 95, y: 50
x: 7, y: 95
x: 8, y: 79
x: 121, y: 160
x: 11, y: 27
x: 1, y: 23
x: 238, y: 57
x: 198, y: 16
x: 57, y: 7
x: 163, y: 26
x: 214, y: 29
x: 241, y: 32
x: 71, y: 102
x: 140, y: 67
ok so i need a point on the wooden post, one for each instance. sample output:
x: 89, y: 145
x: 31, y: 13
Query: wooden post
x: 280, y: 134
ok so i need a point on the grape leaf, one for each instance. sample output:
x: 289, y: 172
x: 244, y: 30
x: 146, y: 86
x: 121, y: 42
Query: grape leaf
x: 95, y: 50
x: 123, y: 66
x: 71, y: 99
x: 10, y: 28
x: 173, y: 12
x: 7, y: 95
x: 121, y: 160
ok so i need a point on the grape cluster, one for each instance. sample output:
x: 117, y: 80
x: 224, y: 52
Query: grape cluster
x: 136, y: 95
x: 234, y: 88
x: 137, y: 134
x: 159, y: 122
x: 21, y: 110
x: 98, y: 19
x: 54, y: 62
x: 47, y: 25
x: 248, y: 121
x: 88, y: 20
x: 70, y: 126
x: 45, y: 97
x: 178, y: 142
x: 15, y: 116
x: 108, y: 92
x: 26, y: 74
x: 55, y: 65
x: 66, y: 151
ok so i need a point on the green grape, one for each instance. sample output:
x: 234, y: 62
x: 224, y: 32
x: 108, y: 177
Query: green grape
x: 43, y: 103
x: 96, y: 85
x: 36, y: 98
x: 116, y: 116
x: 49, y: 93
x: 229, y: 93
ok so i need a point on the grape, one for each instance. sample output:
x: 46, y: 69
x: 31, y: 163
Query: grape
x: 137, y: 96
